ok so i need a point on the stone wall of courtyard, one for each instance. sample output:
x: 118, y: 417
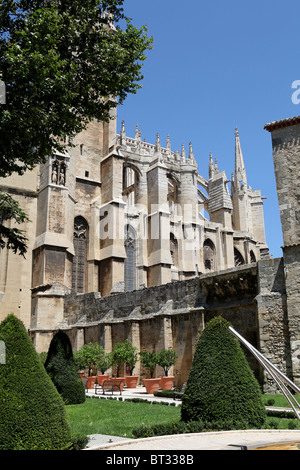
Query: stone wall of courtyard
x: 251, y: 298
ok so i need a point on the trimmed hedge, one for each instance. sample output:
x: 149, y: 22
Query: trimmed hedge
x: 166, y: 393
x: 62, y: 370
x: 180, y: 427
x: 33, y: 415
x: 221, y: 385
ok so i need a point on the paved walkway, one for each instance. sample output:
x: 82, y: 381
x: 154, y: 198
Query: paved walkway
x: 227, y: 440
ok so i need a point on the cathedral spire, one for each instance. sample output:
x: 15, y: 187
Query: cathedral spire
x: 240, y: 172
x: 123, y: 133
x: 191, y: 154
x: 168, y: 143
x: 211, y: 168
x: 157, y: 145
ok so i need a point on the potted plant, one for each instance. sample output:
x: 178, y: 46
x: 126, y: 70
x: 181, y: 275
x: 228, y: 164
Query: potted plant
x: 103, y: 363
x: 79, y: 362
x: 131, y: 358
x: 149, y: 361
x: 118, y: 360
x: 166, y: 358
x: 88, y: 356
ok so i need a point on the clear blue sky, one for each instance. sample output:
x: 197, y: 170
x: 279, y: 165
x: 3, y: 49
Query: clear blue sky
x: 214, y: 66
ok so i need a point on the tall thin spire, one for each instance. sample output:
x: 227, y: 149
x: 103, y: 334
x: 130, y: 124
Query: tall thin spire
x: 211, y: 168
x: 123, y: 133
x: 191, y: 154
x: 182, y: 152
x: 168, y: 143
x: 240, y: 172
x: 157, y: 145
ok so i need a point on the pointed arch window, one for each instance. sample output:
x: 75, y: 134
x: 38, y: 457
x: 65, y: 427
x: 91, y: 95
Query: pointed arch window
x: 80, y: 241
x: 252, y: 257
x: 209, y: 255
x: 130, y: 261
x: 238, y: 258
x: 130, y: 182
x: 174, y: 250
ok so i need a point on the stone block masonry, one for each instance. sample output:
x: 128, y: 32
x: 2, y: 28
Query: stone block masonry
x: 285, y: 136
x: 250, y: 297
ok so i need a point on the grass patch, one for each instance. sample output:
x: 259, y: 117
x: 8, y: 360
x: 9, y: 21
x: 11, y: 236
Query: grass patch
x: 279, y: 400
x: 117, y: 418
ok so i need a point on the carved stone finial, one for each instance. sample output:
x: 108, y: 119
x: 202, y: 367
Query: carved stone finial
x: 123, y: 134
x: 137, y: 132
x: 211, y: 168
x: 191, y: 153
x: 157, y: 145
x: 182, y: 151
x: 168, y: 143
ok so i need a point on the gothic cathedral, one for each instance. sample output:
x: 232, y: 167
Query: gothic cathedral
x: 116, y: 213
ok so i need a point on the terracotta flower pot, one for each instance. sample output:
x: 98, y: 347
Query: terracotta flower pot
x: 101, y: 378
x: 166, y: 382
x: 91, y: 381
x: 152, y: 385
x: 131, y: 381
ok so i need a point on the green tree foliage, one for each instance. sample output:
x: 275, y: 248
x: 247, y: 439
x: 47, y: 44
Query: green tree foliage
x: 149, y: 361
x: 64, y: 63
x: 12, y: 237
x: 124, y: 353
x: 88, y: 356
x: 166, y: 358
x: 32, y: 412
x: 62, y: 370
x: 221, y: 385
x: 118, y: 356
x: 131, y: 355
x: 104, y: 362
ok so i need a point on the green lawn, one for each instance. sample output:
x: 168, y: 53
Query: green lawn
x: 279, y: 400
x: 118, y: 418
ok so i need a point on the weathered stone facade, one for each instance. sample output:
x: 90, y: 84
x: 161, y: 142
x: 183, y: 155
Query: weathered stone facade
x: 286, y: 153
x: 115, y: 214
x: 127, y: 240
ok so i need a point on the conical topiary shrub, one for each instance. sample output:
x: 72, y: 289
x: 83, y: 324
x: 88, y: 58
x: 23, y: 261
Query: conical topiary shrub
x: 32, y: 412
x: 221, y: 386
x: 62, y: 370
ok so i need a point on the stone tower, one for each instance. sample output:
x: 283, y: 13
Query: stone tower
x: 248, y: 214
x: 286, y: 153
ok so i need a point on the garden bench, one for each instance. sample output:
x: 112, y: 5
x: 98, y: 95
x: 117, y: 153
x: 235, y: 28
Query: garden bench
x: 179, y: 394
x: 110, y: 386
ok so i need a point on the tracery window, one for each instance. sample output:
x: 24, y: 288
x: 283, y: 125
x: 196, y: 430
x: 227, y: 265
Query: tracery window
x: 80, y: 241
